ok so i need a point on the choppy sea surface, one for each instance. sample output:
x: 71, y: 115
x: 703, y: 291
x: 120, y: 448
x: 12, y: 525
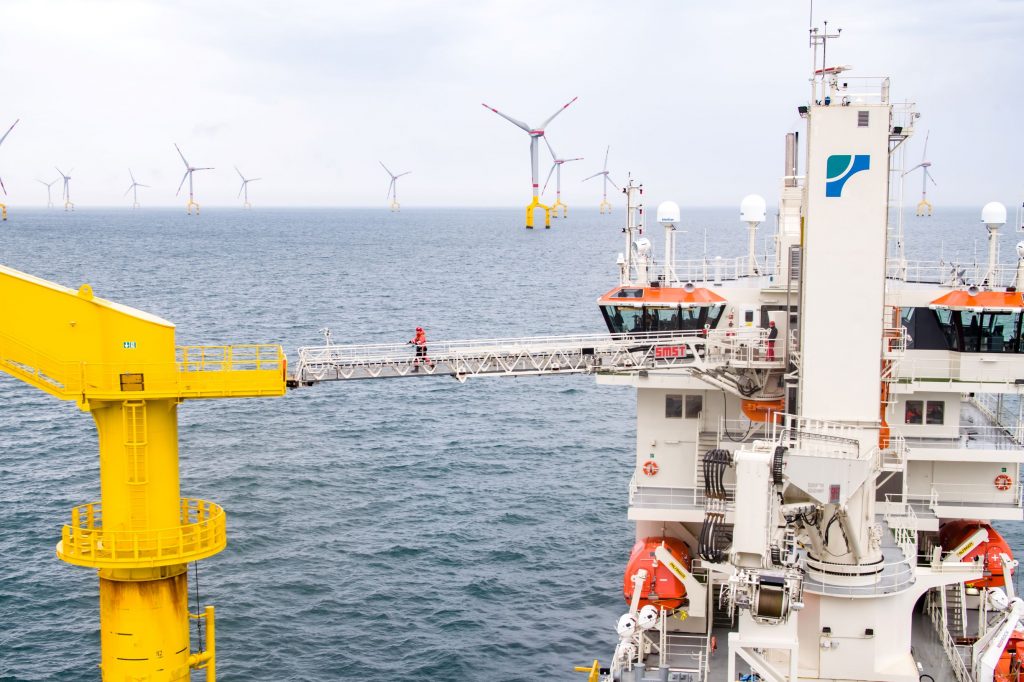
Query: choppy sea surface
x: 378, y: 530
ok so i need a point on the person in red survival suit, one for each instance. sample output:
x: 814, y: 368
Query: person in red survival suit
x: 773, y: 333
x: 420, y: 341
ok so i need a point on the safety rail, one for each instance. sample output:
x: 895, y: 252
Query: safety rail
x: 997, y: 410
x: 959, y: 368
x: 965, y: 437
x: 894, y: 576
x: 950, y: 274
x: 712, y: 270
x: 903, y: 522
x: 196, y: 372
x: 894, y: 455
x: 538, y: 355
x: 972, y: 494
x: 817, y: 436
x: 937, y: 615
x: 653, y: 496
x: 201, y: 533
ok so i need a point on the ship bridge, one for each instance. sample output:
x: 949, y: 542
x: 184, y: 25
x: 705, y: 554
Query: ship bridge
x: 697, y: 351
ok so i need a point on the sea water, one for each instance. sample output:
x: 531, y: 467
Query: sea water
x: 378, y: 530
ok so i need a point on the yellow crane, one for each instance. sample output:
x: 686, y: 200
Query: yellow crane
x: 122, y: 366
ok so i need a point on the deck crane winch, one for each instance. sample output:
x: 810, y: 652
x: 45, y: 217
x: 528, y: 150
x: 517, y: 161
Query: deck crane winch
x: 122, y: 366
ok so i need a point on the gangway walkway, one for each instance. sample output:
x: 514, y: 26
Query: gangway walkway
x: 584, y: 354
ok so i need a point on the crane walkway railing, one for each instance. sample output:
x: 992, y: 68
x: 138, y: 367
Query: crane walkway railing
x: 538, y: 355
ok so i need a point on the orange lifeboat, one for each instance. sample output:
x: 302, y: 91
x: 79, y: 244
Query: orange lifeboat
x: 955, y: 533
x: 1009, y: 665
x: 762, y: 410
x: 661, y: 588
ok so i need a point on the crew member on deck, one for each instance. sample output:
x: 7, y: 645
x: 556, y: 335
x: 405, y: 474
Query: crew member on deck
x: 773, y: 333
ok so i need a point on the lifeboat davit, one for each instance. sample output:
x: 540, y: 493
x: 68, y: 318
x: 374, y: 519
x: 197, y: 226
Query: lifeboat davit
x: 960, y: 537
x: 661, y: 588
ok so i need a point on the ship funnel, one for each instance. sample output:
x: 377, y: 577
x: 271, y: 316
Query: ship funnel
x: 791, y: 149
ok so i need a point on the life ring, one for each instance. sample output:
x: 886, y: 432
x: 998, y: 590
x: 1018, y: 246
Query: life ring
x: 651, y: 468
x: 1003, y: 482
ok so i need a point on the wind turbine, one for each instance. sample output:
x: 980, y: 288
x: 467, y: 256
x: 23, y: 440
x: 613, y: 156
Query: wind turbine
x: 244, y: 189
x: 188, y: 176
x: 534, y: 133
x: 3, y: 206
x: 133, y: 188
x: 556, y: 168
x: 49, y: 198
x: 68, y: 206
x: 604, y: 206
x: 924, y: 207
x: 393, y: 187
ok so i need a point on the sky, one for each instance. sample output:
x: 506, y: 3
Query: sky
x: 694, y: 98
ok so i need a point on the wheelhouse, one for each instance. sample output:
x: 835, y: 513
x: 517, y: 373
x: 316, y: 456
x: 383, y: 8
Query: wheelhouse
x: 633, y: 309
x: 968, y: 322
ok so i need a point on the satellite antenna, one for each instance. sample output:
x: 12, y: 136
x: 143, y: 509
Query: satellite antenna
x: 924, y: 207
x: 534, y: 132
x: 244, y: 189
x: 556, y: 168
x: 133, y: 188
x: 49, y: 185
x: 3, y: 206
x: 604, y: 207
x: 68, y: 206
x: 393, y: 188
x: 188, y: 176
x: 752, y: 211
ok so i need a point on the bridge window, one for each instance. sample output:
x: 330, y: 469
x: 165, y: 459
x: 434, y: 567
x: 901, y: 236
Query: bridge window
x: 913, y: 412
x: 989, y: 332
x: 694, y: 406
x: 935, y: 412
x: 673, y: 406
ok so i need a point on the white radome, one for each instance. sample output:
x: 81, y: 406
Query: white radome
x: 993, y: 214
x: 647, y: 618
x: 627, y: 625
x: 668, y: 213
x: 753, y: 209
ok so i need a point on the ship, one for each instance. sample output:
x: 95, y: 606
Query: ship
x: 826, y: 436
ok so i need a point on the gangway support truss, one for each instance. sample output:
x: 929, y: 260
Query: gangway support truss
x: 542, y: 355
x: 122, y: 366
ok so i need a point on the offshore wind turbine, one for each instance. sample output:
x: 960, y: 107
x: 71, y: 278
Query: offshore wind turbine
x: 49, y: 197
x: 3, y: 206
x: 605, y: 207
x: 189, y: 169
x: 244, y: 189
x: 68, y: 206
x: 393, y: 187
x: 556, y: 168
x: 924, y: 207
x: 534, y: 132
x: 133, y: 188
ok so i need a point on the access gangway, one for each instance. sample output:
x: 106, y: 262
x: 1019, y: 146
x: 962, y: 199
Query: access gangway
x: 697, y: 351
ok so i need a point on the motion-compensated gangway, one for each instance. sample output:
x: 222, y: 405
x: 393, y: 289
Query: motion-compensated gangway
x: 611, y: 353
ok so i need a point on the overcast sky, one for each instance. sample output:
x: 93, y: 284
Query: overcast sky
x: 693, y: 97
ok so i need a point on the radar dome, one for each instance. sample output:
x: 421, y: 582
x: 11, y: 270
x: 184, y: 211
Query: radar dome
x: 668, y: 212
x: 647, y: 618
x: 626, y: 625
x: 993, y: 214
x: 643, y: 246
x: 1020, y: 249
x: 753, y: 209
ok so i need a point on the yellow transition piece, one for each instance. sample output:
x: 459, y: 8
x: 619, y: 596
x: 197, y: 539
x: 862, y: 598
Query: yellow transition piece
x: 122, y: 365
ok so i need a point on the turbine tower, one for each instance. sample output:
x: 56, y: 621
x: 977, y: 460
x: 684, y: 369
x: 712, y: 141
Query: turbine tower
x: 924, y: 207
x: 133, y: 188
x: 68, y: 206
x: 244, y: 189
x: 556, y: 168
x: 188, y: 176
x: 393, y: 187
x: 49, y: 196
x: 534, y: 132
x: 3, y: 206
x: 604, y: 206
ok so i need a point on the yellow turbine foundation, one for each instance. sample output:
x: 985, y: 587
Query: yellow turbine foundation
x: 534, y: 205
x: 555, y: 209
x: 122, y: 366
x: 3, y: 211
x: 605, y: 207
x: 924, y: 208
x: 189, y: 205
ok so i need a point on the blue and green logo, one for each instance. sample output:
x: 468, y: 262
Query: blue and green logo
x: 840, y: 168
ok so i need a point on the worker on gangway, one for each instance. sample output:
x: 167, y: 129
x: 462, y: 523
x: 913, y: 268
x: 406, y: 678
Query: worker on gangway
x: 773, y: 333
x: 420, y: 341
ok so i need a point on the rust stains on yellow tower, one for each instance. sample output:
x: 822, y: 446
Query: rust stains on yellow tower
x: 122, y: 366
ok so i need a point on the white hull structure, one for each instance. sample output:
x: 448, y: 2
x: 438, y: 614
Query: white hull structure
x: 822, y: 438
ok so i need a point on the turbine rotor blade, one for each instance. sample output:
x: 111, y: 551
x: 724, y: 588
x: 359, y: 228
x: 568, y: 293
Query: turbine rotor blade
x: 2, y: 186
x: 554, y: 157
x: 924, y: 153
x: 608, y: 178
x: 589, y: 177
x: 508, y: 118
x: 181, y: 155
x: 401, y: 174
x: 183, y: 178
x: 239, y: 173
x: 606, y: 150
x: 131, y: 176
x: 552, y: 116
x: 386, y: 169
x: 549, y: 178
x: 8, y: 133
x: 128, y: 190
x: 578, y: 158
x: 240, y: 189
